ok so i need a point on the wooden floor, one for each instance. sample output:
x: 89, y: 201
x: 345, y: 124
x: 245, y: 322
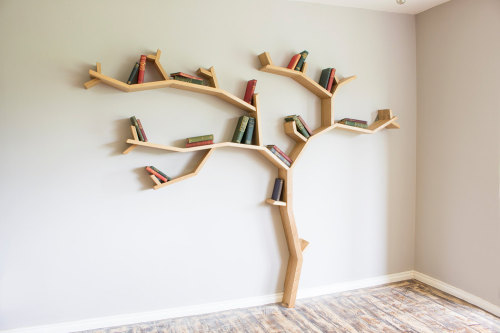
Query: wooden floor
x: 408, y: 306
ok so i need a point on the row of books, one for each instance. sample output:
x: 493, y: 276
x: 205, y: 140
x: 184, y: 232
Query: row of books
x: 280, y: 154
x: 180, y: 76
x: 277, y: 194
x: 297, y: 61
x: 139, y: 129
x: 354, y: 122
x: 201, y: 140
x: 302, y: 127
x: 243, y: 133
x: 162, y: 177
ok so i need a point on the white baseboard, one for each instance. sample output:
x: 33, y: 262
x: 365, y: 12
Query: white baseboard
x: 462, y: 294
x: 132, y: 318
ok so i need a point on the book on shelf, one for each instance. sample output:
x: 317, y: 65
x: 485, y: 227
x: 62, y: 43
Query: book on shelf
x: 331, y: 79
x: 308, y: 129
x: 200, y: 138
x: 293, y: 62
x: 300, y: 126
x: 325, y: 76
x: 158, y: 175
x: 186, y: 76
x: 142, y: 69
x: 144, y: 137
x: 190, y: 80
x: 140, y: 133
x: 161, y: 173
x: 240, y: 129
x: 300, y: 63
x: 277, y: 189
x: 280, y: 154
x: 132, y: 79
x: 354, y: 122
x: 199, y: 143
x: 247, y: 137
x: 249, y: 91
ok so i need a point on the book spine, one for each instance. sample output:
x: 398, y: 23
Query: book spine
x: 250, y: 90
x: 355, y: 124
x: 325, y: 75
x: 278, y: 155
x: 330, y: 80
x: 200, y: 138
x: 161, y: 173
x: 160, y: 177
x: 301, y: 128
x: 142, y: 68
x: 355, y: 120
x: 199, y: 143
x: 133, y: 120
x: 277, y: 189
x: 133, y: 75
x: 293, y: 61
x: 247, y: 138
x: 303, y: 56
x: 189, y: 80
x: 142, y: 130
x: 282, y: 153
x: 308, y: 129
x: 240, y: 129
x: 186, y: 75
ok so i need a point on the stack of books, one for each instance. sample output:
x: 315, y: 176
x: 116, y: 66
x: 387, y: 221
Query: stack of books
x: 180, y: 76
x: 277, y: 190
x: 200, y: 140
x: 354, y: 122
x: 139, y: 129
x: 302, y: 127
x: 162, y: 178
x: 137, y: 74
x: 280, y: 154
x: 327, y: 78
x: 243, y: 133
x: 249, y: 91
x: 298, y: 60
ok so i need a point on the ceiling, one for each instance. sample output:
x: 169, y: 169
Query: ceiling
x: 410, y: 7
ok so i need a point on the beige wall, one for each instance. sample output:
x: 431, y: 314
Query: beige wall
x: 458, y: 222
x: 83, y: 235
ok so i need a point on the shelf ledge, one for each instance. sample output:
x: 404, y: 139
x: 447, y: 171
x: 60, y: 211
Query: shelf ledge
x: 275, y: 202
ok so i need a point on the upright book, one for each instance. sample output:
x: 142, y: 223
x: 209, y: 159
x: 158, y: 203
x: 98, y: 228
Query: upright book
x: 240, y: 129
x: 133, y: 75
x: 331, y: 80
x: 142, y: 69
x: 249, y: 91
x: 300, y: 63
x: 247, y: 137
x: 277, y: 189
x: 293, y: 62
x: 325, y: 76
x: 133, y: 121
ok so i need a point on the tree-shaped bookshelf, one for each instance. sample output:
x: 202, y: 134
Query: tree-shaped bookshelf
x: 295, y: 245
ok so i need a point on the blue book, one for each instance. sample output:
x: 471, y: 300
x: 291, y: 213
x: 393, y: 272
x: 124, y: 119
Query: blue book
x: 278, y: 155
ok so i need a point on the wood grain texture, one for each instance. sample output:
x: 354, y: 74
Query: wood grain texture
x: 407, y: 306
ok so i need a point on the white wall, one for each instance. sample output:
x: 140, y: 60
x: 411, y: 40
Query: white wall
x: 83, y: 235
x: 458, y: 222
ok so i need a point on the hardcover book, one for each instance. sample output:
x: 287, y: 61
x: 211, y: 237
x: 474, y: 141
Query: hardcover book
x: 142, y: 130
x: 240, y: 129
x: 186, y: 75
x: 308, y: 129
x: 355, y: 120
x: 294, y: 61
x: 134, y: 123
x: 278, y: 155
x: 277, y: 189
x: 331, y: 80
x: 200, y: 138
x: 142, y: 68
x: 300, y: 127
x: 161, y: 173
x: 325, y: 76
x: 247, y: 137
x: 199, y: 143
x: 190, y: 80
x: 303, y: 56
x: 133, y: 75
x: 250, y: 90
x: 157, y: 175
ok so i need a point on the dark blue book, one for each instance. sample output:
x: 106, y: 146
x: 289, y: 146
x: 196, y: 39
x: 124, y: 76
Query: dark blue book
x: 132, y: 79
x: 278, y: 189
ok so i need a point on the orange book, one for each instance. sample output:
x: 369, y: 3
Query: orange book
x: 142, y: 68
x: 294, y: 61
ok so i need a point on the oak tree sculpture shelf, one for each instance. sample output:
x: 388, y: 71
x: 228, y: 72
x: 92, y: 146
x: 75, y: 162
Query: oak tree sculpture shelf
x: 294, y: 243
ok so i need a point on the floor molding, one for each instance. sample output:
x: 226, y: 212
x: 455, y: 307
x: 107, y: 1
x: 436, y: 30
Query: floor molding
x: 132, y: 318
x: 462, y: 294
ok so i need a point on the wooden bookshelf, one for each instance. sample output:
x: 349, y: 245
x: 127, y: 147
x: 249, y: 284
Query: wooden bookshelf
x: 296, y: 245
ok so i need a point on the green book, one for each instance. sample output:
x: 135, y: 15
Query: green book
x: 200, y: 138
x: 300, y: 126
x: 355, y: 124
x: 190, y: 80
x: 325, y: 76
x: 303, y: 56
x: 240, y: 129
x: 133, y: 75
x: 133, y: 120
x: 161, y: 173
x: 247, y: 138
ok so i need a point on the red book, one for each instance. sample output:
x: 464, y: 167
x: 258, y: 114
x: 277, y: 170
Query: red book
x: 308, y: 129
x: 156, y: 174
x: 282, y: 153
x: 250, y: 89
x: 294, y: 61
x: 186, y: 75
x: 142, y: 68
x: 142, y: 130
x: 200, y: 143
x: 330, y: 80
